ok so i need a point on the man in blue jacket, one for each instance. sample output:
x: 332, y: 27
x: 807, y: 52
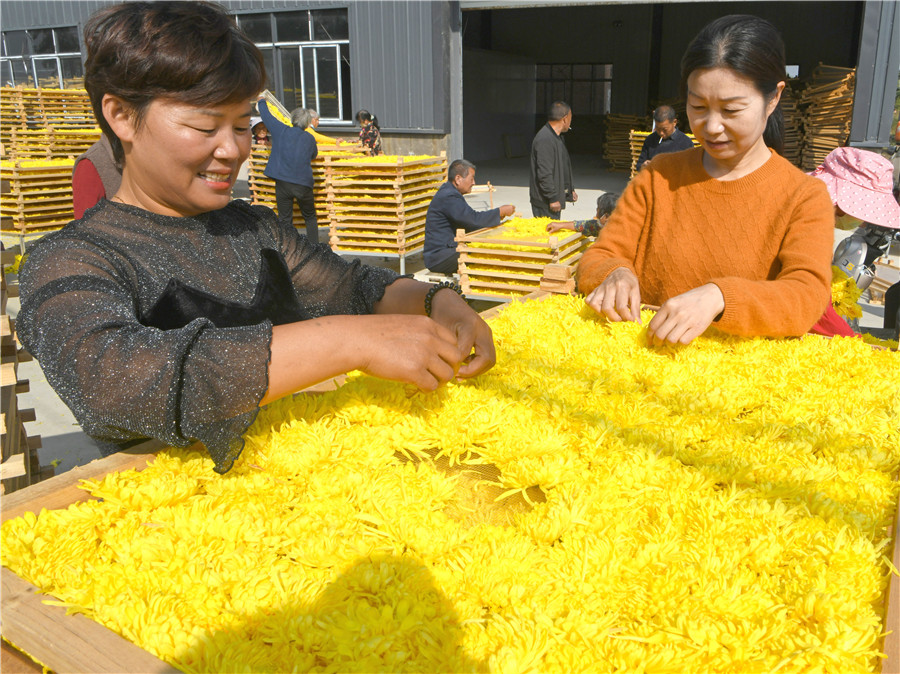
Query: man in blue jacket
x: 449, y: 211
x: 289, y: 166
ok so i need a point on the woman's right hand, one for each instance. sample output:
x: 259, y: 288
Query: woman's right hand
x: 408, y: 348
x: 618, y: 297
x: 557, y: 225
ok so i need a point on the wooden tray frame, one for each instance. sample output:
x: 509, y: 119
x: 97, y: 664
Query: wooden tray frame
x: 75, y: 643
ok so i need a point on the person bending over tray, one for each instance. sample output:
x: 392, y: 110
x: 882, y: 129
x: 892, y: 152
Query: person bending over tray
x: 606, y: 204
x: 173, y: 312
x: 729, y: 234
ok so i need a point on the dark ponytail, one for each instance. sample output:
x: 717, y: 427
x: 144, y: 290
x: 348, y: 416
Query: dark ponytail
x: 366, y: 116
x: 749, y: 46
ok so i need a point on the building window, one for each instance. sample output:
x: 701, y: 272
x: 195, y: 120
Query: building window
x: 44, y: 57
x: 307, y: 56
x: 587, y: 87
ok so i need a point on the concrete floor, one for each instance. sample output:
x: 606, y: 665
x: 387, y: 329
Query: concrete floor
x: 64, y: 442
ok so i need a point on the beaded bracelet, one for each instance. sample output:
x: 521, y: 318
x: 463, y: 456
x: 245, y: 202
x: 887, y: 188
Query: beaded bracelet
x: 429, y: 298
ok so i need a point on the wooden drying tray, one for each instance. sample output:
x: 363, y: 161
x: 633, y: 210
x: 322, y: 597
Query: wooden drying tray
x: 75, y: 643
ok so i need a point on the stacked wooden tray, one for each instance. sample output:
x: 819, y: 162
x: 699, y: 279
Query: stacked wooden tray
x: 19, y: 464
x: 793, y: 124
x: 616, y: 148
x: 262, y: 188
x: 501, y: 263
x: 828, y: 108
x: 636, y: 143
x: 50, y: 143
x: 35, y: 194
x: 43, y: 107
x: 378, y: 204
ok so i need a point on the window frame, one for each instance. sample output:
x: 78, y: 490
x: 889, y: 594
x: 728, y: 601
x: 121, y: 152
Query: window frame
x: 29, y: 59
x: 294, y: 49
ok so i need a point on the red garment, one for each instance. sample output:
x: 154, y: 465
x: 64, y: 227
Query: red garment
x: 832, y: 325
x: 87, y: 188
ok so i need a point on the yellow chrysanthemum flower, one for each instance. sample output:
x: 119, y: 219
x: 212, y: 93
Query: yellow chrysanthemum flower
x: 589, y: 504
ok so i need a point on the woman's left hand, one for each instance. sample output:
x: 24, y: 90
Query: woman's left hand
x: 472, y: 332
x: 684, y: 317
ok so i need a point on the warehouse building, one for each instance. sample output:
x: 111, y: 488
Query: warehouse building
x: 475, y: 76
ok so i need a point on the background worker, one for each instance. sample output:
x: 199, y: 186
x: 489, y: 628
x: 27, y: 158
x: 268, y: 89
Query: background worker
x: 606, y: 203
x: 95, y: 176
x: 859, y: 184
x: 666, y: 136
x: 259, y: 131
x: 449, y: 211
x: 313, y: 118
x: 289, y: 166
x: 369, y: 132
x: 551, y: 169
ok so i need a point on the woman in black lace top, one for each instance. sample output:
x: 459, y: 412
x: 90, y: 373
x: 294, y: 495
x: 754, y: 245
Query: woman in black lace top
x: 171, y: 311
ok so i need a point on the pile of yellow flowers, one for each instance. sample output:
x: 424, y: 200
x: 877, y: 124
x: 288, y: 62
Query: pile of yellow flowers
x: 845, y: 294
x: 590, y: 504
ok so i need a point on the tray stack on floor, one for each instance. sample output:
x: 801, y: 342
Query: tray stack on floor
x: 262, y: 188
x: 827, y: 103
x: 502, y: 263
x: 46, y: 108
x: 49, y: 143
x: 378, y: 204
x: 20, y: 466
x: 636, y: 142
x: 617, y: 146
x: 35, y: 194
x: 793, y: 124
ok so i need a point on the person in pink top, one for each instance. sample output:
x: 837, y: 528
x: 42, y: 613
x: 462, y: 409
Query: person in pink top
x: 860, y: 185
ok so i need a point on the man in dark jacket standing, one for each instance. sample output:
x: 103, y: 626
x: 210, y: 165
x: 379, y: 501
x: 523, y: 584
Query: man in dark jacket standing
x: 551, y: 169
x: 449, y: 211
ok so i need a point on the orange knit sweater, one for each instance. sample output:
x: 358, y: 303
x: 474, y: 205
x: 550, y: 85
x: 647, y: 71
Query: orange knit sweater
x: 765, y: 239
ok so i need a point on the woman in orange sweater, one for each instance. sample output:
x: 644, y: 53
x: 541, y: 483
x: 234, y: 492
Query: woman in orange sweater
x: 729, y: 234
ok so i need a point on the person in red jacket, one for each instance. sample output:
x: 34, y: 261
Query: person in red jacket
x: 95, y: 176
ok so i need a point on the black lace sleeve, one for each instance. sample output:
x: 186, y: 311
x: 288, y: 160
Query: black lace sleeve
x: 326, y: 283
x: 125, y: 381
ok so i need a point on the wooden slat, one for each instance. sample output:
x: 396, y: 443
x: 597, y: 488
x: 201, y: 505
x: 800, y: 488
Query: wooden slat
x: 67, y: 643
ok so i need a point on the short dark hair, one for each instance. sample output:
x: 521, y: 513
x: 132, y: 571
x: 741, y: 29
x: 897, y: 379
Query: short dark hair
x: 752, y: 48
x: 606, y: 203
x: 191, y: 52
x: 459, y: 168
x: 558, y: 110
x: 664, y: 113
